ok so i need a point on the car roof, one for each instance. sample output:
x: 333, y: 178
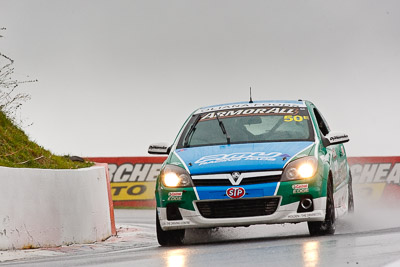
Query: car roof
x: 255, y: 104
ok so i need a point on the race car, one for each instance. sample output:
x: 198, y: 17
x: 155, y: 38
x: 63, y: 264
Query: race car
x: 246, y: 163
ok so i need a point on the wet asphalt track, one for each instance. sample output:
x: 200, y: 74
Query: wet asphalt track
x: 369, y: 238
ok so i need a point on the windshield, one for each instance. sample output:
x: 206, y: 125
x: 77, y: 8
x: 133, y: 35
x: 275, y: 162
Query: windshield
x: 248, y: 125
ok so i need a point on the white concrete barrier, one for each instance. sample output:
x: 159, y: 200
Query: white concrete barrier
x: 48, y: 208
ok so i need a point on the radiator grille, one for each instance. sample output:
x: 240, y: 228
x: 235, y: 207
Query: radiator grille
x: 236, y: 208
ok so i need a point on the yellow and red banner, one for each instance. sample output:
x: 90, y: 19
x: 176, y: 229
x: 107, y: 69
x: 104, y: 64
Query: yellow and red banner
x: 376, y: 178
x: 133, y: 179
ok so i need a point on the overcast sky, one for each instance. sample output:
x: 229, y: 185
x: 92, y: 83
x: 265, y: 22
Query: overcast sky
x: 115, y: 76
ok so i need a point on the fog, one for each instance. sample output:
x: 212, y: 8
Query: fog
x: 115, y: 76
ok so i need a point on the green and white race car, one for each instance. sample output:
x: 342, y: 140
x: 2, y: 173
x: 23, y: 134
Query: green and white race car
x: 263, y: 162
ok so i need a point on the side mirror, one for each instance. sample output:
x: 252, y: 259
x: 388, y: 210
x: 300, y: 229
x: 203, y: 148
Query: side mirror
x: 159, y: 149
x: 334, y: 138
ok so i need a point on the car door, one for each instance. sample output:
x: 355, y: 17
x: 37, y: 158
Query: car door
x: 333, y: 151
x: 338, y: 164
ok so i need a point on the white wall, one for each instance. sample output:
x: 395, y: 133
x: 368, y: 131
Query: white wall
x: 47, y: 208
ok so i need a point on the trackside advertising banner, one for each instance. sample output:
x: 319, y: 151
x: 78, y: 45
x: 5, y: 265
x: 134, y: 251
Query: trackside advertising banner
x: 133, y: 178
x: 376, y: 178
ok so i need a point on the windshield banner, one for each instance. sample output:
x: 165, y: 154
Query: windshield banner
x: 250, y: 112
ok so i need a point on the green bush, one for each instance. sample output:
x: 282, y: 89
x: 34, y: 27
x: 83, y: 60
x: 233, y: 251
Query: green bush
x: 16, y: 150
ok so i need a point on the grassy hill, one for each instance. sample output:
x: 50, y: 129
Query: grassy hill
x: 16, y: 150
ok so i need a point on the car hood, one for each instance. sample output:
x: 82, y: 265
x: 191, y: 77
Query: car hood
x: 239, y: 157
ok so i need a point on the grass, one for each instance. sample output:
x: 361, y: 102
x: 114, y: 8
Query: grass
x: 16, y: 150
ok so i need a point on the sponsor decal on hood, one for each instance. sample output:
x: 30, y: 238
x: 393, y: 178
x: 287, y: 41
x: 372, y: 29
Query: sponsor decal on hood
x: 240, y: 157
x: 212, y: 159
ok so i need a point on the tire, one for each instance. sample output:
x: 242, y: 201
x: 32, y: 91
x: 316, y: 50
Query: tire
x: 351, y: 196
x: 326, y: 227
x: 169, y: 238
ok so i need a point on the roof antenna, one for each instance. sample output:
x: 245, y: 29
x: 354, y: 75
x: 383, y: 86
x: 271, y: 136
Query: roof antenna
x: 251, y: 100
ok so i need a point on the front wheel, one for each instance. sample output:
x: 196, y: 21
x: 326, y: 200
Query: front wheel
x: 169, y: 238
x: 326, y: 227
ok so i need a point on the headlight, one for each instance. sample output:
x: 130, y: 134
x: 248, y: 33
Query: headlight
x: 174, y: 176
x: 302, y: 168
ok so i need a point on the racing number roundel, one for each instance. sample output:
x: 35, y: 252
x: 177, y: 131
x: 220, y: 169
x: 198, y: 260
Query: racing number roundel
x: 235, y: 192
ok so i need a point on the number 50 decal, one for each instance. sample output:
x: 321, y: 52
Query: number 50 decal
x: 288, y: 118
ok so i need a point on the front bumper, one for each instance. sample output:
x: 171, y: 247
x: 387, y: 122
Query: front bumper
x: 284, y: 214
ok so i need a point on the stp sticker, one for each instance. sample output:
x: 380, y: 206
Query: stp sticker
x: 235, y: 192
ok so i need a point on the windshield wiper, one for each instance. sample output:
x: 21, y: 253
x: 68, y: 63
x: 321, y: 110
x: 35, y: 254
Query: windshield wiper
x: 191, y: 131
x: 221, y: 124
